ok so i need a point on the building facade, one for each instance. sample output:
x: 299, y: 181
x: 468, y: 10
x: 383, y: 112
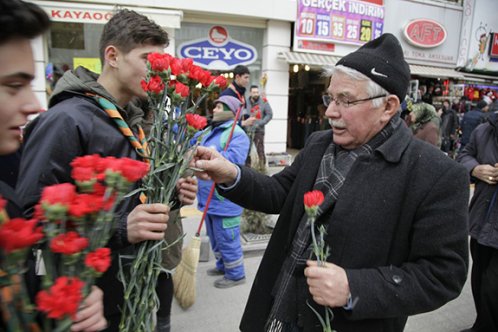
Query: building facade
x: 286, y: 43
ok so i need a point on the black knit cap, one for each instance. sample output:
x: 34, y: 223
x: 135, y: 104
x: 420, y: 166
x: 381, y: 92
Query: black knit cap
x: 383, y: 62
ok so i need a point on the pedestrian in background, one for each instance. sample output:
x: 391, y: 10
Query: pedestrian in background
x: 480, y: 158
x: 470, y: 121
x: 425, y: 123
x: 449, y: 128
x: 223, y: 216
x: 260, y: 110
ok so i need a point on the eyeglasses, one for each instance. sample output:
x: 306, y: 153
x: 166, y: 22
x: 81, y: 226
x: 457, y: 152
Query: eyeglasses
x: 346, y: 103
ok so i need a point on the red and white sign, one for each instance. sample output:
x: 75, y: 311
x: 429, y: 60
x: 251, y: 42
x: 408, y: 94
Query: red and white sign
x: 79, y: 15
x: 425, y: 33
x: 493, y: 50
x: 218, y: 35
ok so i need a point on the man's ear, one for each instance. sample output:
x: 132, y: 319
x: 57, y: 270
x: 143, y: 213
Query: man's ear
x: 391, y: 107
x: 111, y: 56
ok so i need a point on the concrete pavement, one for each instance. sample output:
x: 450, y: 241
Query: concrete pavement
x: 220, y: 310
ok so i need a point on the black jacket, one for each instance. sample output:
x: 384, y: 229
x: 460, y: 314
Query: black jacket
x: 399, y: 229
x: 482, y: 149
x: 75, y: 125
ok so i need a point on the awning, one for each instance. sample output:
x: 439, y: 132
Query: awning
x: 308, y: 58
x: 436, y: 72
x: 330, y: 60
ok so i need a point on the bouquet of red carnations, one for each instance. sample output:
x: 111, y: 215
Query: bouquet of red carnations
x: 175, y: 88
x: 72, y: 224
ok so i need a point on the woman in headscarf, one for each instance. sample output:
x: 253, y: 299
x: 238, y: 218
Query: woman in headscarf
x: 424, y: 123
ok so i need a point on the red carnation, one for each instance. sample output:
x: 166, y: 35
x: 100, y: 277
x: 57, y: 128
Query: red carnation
x: 83, y: 174
x: 220, y: 81
x: 19, y: 233
x: 62, y: 299
x: 62, y: 194
x: 85, y: 204
x: 155, y: 85
x: 182, y: 89
x: 176, y: 66
x: 3, y: 203
x: 99, y: 260
x: 158, y: 62
x: 131, y: 169
x: 88, y: 161
x: 187, y: 64
x: 144, y: 85
x: 68, y: 244
x: 312, y: 200
x: 196, y: 121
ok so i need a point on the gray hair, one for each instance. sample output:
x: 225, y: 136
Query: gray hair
x: 373, y: 89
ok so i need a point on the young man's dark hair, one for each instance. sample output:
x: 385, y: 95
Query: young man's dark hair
x: 21, y: 20
x: 128, y: 29
x: 241, y: 70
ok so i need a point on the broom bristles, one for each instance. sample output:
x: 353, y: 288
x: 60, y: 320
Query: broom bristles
x: 185, y: 273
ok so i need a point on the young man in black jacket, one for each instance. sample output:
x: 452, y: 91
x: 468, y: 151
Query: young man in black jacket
x: 19, y: 23
x: 77, y: 124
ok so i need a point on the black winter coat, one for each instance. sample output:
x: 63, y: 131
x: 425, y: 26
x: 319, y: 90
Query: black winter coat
x: 399, y: 229
x: 482, y: 150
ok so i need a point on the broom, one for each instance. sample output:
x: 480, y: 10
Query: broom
x: 184, y: 276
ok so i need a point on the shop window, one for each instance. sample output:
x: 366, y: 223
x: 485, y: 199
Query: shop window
x: 71, y: 45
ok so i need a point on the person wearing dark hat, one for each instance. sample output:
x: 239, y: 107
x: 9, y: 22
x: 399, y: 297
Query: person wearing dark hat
x: 470, y: 121
x: 223, y: 216
x: 394, y: 211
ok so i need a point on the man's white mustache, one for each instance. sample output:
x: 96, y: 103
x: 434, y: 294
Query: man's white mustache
x: 337, y: 124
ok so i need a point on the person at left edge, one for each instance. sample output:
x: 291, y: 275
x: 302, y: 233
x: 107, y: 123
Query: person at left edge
x: 19, y: 23
x: 77, y: 123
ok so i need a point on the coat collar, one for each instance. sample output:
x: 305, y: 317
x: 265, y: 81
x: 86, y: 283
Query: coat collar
x: 393, y: 148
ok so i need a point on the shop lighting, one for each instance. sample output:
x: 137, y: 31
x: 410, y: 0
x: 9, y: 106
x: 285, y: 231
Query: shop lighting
x: 306, y: 67
x: 295, y: 68
x: 230, y: 75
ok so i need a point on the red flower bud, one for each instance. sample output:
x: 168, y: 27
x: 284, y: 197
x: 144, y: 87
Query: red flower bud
x: 313, y: 199
x: 85, y: 204
x: 131, y: 169
x: 176, y: 66
x: 68, y: 244
x: 158, y: 62
x: 19, y: 233
x: 182, y: 89
x: 3, y: 203
x: 155, y: 85
x: 62, y: 299
x: 196, y: 121
x: 62, y: 194
x: 99, y: 260
x: 220, y: 81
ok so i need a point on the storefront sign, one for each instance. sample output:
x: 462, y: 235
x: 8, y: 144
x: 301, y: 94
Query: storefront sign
x: 425, y: 33
x: 80, y: 16
x: 341, y: 21
x: 493, y: 50
x: 316, y: 45
x: 218, y: 51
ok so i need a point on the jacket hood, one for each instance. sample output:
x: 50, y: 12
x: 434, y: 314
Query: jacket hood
x: 82, y: 81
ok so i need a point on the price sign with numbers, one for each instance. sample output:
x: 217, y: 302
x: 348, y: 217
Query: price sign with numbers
x: 347, y: 21
x: 366, y: 31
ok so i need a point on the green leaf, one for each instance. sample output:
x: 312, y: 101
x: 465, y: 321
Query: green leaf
x: 136, y: 191
x: 162, y: 168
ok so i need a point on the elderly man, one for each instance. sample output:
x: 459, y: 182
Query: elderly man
x: 394, y: 210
